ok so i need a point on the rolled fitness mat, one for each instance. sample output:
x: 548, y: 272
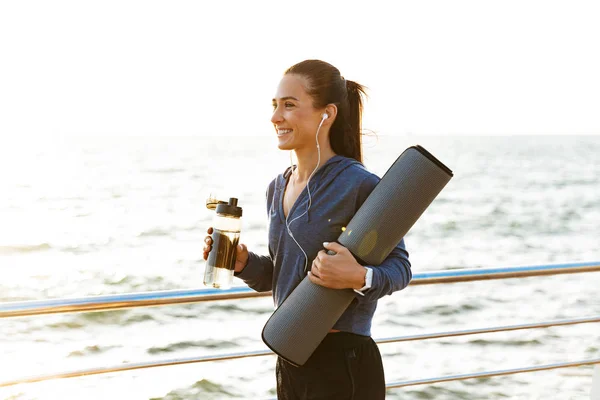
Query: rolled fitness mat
x: 409, y: 186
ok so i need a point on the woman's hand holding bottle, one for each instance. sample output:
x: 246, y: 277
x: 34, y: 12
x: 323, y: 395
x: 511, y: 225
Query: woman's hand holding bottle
x: 241, y: 252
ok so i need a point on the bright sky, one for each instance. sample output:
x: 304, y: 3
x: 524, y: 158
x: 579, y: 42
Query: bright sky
x: 211, y: 67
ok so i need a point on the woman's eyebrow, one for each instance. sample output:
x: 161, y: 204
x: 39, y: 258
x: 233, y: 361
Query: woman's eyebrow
x: 286, y: 98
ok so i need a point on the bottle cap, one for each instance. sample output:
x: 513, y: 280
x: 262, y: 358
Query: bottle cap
x: 212, y: 202
x: 230, y: 209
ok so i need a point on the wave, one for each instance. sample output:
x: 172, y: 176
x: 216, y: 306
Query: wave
x: 242, y: 308
x: 164, y: 170
x: 394, y: 321
x: 111, y: 317
x: 205, y: 344
x: 203, y: 389
x: 592, y: 351
x: 437, y: 392
x: 67, y: 325
x: 154, y: 232
x: 88, y: 350
x: 446, y: 310
x: 507, y: 343
x: 5, y: 250
x: 143, y: 283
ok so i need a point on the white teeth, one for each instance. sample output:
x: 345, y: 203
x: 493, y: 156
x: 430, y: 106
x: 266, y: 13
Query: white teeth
x: 283, y: 131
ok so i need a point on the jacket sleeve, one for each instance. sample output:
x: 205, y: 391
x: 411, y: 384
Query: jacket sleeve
x: 391, y: 275
x: 258, y: 272
x: 394, y: 273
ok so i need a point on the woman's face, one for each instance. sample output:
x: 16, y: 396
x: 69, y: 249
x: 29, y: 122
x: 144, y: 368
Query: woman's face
x: 294, y: 117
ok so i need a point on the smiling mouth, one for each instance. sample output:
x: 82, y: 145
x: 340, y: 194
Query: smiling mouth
x: 281, y: 132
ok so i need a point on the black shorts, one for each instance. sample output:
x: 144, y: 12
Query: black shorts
x: 344, y: 366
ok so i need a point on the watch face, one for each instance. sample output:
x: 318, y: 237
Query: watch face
x: 368, y: 278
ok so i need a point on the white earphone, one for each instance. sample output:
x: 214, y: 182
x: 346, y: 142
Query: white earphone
x: 325, y: 116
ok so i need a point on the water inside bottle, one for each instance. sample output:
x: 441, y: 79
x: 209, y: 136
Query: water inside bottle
x: 221, y: 259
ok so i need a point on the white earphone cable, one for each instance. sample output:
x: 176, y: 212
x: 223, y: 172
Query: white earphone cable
x: 309, y: 196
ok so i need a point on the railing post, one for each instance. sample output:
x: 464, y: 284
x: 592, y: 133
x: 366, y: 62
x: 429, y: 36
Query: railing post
x: 595, y: 394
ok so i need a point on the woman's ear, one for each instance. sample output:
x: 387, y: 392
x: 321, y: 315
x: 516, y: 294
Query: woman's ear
x: 331, y: 111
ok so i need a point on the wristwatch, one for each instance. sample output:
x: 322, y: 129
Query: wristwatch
x: 368, y: 282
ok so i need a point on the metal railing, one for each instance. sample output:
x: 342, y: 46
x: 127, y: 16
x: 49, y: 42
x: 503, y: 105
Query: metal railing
x: 490, y: 374
x: 131, y: 300
x: 166, y: 297
x: 259, y: 353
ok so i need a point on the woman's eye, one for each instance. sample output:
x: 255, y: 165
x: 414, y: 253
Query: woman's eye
x: 286, y: 105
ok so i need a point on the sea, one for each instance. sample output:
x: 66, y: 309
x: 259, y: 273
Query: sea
x: 87, y: 216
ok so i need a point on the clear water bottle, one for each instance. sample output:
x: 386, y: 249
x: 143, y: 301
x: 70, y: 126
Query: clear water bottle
x: 227, y: 224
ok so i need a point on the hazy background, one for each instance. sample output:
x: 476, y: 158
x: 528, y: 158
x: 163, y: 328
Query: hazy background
x: 210, y: 68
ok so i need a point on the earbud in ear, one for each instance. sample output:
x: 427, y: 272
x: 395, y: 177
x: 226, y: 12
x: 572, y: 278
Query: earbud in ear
x: 325, y: 116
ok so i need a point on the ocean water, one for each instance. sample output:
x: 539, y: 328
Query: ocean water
x: 82, y: 217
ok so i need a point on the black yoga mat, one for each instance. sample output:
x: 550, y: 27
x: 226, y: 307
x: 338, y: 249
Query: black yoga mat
x: 409, y: 186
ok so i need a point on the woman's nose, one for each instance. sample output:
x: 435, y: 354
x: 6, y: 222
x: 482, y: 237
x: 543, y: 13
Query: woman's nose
x: 276, y: 117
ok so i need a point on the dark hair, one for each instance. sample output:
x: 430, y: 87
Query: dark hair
x: 327, y: 86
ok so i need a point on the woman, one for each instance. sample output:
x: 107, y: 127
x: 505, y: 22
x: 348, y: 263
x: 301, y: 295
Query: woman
x: 317, y: 114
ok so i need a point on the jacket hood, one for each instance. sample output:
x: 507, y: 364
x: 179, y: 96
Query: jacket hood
x: 325, y: 175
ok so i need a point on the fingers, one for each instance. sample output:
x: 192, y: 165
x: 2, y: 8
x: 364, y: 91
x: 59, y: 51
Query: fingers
x: 323, y: 255
x: 331, y: 271
x: 315, y: 279
x: 334, y: 247
x: 318, y: 275
x: 331, y: 252
x: 207, y: 244
x: 314, y: 269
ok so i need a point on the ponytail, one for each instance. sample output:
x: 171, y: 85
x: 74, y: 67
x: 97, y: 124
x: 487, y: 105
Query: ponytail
x: 327, y: 86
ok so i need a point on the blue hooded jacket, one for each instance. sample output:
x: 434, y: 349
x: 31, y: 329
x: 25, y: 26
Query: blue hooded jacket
x: 338, y: 189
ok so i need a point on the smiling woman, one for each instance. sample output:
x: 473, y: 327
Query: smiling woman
x: 317, y: 115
